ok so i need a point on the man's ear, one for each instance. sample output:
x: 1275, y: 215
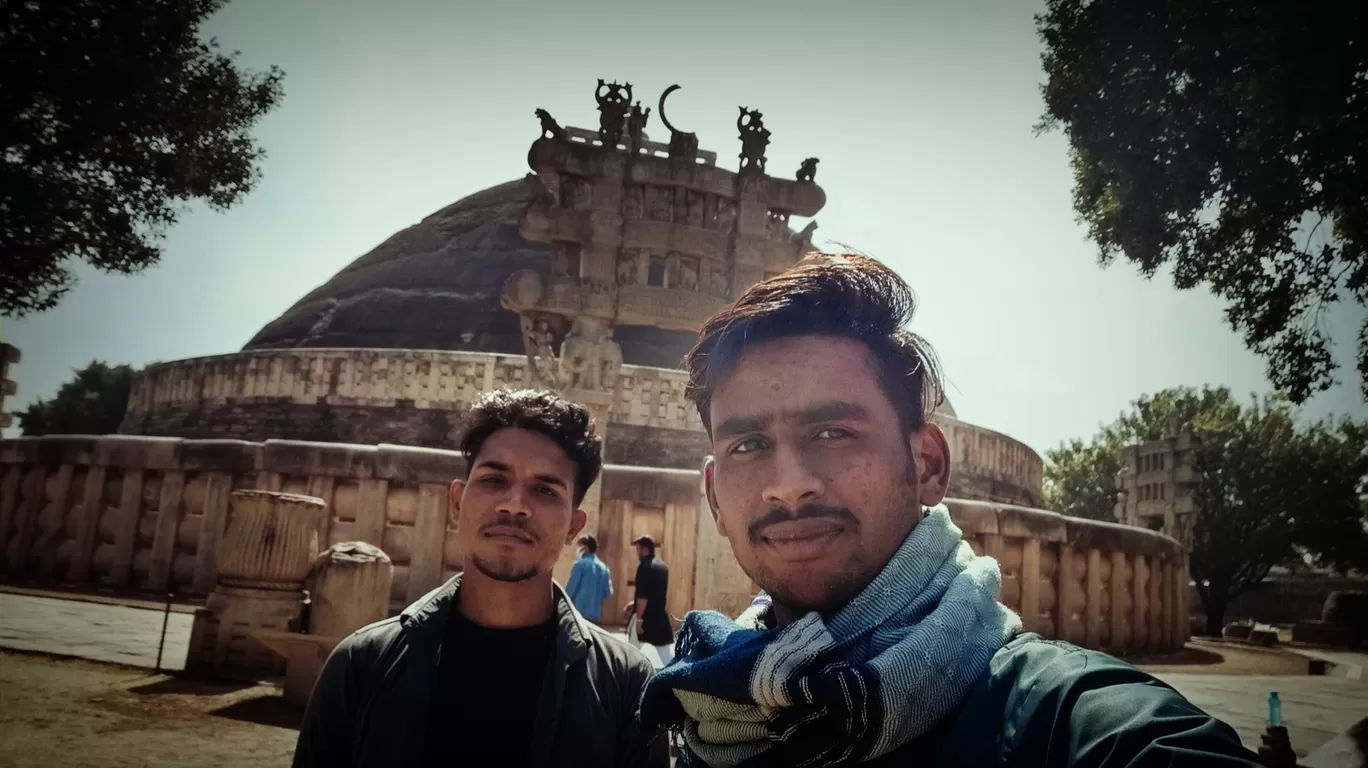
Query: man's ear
x: 932, y: 454
x: 454, y: 497
x: 578, y: 519
x: 709, y: 467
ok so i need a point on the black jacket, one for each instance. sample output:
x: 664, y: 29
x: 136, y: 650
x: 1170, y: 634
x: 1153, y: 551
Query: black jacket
x: 372, y: 702
x: 1047, y: 704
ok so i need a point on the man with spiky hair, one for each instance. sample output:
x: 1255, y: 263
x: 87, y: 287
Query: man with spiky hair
x: 881, y: 640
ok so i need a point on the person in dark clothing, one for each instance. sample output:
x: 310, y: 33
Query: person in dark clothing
x: 496, y: 667
x: 882, y: 641
x: 653, y: 618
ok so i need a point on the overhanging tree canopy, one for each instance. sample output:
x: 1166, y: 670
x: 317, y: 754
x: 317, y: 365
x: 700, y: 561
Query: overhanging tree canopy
x: 113, y: 115
x: 1228, y: 141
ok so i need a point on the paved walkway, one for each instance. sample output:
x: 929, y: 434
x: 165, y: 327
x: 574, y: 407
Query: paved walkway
x: 120, y: 634
x: 1315, y: 708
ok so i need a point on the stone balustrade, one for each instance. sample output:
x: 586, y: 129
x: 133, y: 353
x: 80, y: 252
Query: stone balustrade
x: 413, y: 397
x: 991, y: 466
x: 377, y: 379
x: 147, y: 514
x: 1096, y: 584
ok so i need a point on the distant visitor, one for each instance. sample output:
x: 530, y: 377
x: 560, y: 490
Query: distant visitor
x: 590, y: 581
x: 649, y: 620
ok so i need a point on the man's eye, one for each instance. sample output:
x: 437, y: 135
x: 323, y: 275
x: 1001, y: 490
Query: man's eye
x: 546, y: 490
x: 833, y: 433
x: 492, y: 480
x: 749, y: 445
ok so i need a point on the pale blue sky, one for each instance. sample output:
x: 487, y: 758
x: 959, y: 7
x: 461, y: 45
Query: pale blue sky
x: 921, y: 115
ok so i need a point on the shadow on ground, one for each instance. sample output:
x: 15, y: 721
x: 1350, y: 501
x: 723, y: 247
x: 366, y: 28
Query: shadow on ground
x: 1190, y: 656
x: 269, y: 709
x: 265, y: 710
x: 185, y: 686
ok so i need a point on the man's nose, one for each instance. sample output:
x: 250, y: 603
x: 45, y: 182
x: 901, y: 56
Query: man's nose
x: 513, y: 503
x: 792, y: 482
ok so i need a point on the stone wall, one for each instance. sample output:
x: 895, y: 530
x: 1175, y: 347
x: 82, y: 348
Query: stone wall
x: 369, y: 396
x: 416, y: 397
x: 145, y: 514
x: 991, y: 466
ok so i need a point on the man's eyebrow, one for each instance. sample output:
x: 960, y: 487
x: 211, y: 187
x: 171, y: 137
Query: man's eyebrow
x: 835, y: 410
x: 497, y: 466
x: 736, y: 425
x: 552, y: 480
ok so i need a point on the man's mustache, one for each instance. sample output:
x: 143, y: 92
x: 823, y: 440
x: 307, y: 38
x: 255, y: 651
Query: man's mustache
x: 783, y: 515
x: 510, y: 521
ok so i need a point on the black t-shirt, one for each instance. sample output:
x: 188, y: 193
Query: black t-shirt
x: 652, y: 582
x: 489, y: 682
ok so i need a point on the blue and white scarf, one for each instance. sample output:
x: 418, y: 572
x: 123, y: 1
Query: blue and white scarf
x: 880, y: 673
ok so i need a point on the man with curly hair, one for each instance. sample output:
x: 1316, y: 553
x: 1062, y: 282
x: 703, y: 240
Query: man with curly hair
x: 496, y: 667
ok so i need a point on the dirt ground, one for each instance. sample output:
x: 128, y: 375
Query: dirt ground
x: 66, y: 712
x: 1216, y: 657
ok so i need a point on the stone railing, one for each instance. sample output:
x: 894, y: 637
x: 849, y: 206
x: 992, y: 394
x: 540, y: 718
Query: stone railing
x: 991, y: 466
x: 380, y: 379
x: 1100, y: 585
x: 413, y: 397
x: 142, y: 514
x: 146, y: 514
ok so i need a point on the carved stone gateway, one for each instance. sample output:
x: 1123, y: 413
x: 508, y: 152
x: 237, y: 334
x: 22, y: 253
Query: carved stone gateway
x: 642, y: 234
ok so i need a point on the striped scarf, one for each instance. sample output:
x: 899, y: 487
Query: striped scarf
x: 879, y: 674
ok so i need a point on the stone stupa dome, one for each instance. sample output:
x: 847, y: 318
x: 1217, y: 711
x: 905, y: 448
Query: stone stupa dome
x: 436, y: 285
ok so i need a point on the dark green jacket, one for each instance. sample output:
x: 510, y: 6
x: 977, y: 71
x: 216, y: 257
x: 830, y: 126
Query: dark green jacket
x: 372, y: 703
x: 1046, y: 704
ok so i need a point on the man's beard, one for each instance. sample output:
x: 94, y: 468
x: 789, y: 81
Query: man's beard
x: 505, y: 572
x: 840, y: 586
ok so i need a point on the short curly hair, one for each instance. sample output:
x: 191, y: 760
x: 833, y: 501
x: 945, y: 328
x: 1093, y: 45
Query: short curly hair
x: 848, y: 295
x: 567, y: 424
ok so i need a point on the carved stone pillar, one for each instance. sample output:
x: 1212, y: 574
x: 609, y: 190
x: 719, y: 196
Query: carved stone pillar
x: 348, y: 589
x: 271, y: 540
x: 264, y: 558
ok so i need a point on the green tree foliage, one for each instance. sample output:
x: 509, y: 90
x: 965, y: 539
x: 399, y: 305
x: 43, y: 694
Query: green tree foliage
x: 1080, y: 478
x: 92, y: 403
x: 1219, y: 138
x: 1268, y: 491
x: 114, y: 115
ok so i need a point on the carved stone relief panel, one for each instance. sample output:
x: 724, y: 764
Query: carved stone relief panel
x: 632, y: 208
x: 628, y: 267
x: 688, y: 274
x: 693, y: 208
x: 726, y: 215
x: 659, y: 203
x: 715, y: 278
x: 565, y: 260
x: 576, y: 193
x: 672, y: 270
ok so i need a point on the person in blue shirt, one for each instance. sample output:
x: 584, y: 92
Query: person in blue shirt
x: 590, y: 581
